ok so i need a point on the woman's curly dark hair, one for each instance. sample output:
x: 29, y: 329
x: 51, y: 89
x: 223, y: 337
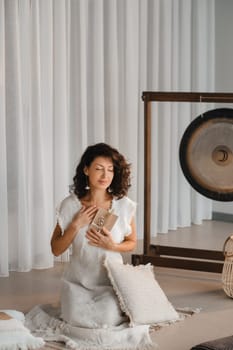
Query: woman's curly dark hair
x: 121, y: 179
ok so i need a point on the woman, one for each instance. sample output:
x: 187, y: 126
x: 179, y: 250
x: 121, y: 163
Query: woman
x: 90, y: 317
x: 102, y: 180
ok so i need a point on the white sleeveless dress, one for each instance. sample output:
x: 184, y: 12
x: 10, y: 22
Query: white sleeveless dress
x: 87, y: 297
x: 90, y: 317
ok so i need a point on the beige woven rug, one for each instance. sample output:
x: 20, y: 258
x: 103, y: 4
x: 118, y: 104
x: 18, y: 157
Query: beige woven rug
x: 183, y: 312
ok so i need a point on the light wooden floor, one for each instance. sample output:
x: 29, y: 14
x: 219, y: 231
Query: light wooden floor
x: 210, y: 235
x: 23, y: 290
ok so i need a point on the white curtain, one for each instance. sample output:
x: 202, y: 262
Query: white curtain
x: 72, y: 73
x: 182, y: 49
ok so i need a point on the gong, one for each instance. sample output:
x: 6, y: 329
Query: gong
x: 206, y: 154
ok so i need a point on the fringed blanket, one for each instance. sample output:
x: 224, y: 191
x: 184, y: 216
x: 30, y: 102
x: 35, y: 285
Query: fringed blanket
x: 44, y: 322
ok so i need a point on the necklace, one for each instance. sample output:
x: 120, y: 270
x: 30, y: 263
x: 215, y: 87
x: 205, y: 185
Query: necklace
x: 90, y: 203
x: 110, y: 207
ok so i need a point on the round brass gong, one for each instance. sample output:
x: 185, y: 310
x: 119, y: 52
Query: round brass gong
x: 206, y: 154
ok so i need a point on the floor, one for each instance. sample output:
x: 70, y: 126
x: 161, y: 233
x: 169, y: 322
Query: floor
x: 21, y: 291
x: 210, y: 235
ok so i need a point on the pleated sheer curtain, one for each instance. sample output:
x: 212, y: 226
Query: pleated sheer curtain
x: 72, y: 74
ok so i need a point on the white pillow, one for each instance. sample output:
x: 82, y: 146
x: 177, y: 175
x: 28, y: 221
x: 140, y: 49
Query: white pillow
x: 139, y: 294
x: 14, y: 335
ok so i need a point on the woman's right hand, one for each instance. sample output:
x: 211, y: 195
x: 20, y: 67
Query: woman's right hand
x: 60, y: 242
x: 84, y: 216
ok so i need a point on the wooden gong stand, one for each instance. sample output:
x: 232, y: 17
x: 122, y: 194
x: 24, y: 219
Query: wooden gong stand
x: 169, y: 256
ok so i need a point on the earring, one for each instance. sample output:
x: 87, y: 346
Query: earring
x: 87, y: 187
x: 109, y: 189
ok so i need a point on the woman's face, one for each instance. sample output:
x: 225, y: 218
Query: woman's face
x: 100, y: 173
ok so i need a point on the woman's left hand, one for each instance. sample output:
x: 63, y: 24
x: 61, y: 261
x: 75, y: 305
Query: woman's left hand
x: 101, y: 239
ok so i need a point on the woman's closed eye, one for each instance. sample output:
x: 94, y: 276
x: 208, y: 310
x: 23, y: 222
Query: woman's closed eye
x: 109, y: 170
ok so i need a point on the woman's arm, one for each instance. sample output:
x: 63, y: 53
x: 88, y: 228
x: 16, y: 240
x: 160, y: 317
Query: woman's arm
x: 60, y: 242
x: 105, y: 240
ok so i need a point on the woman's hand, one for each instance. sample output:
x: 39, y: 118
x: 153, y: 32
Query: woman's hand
x: 60, y: 242
x: 104, y: 239
x: 101, y: 239
x: 84, y: 216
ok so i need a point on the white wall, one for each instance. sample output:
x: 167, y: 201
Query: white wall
x: 224, y: 65
x: 224, y: 47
